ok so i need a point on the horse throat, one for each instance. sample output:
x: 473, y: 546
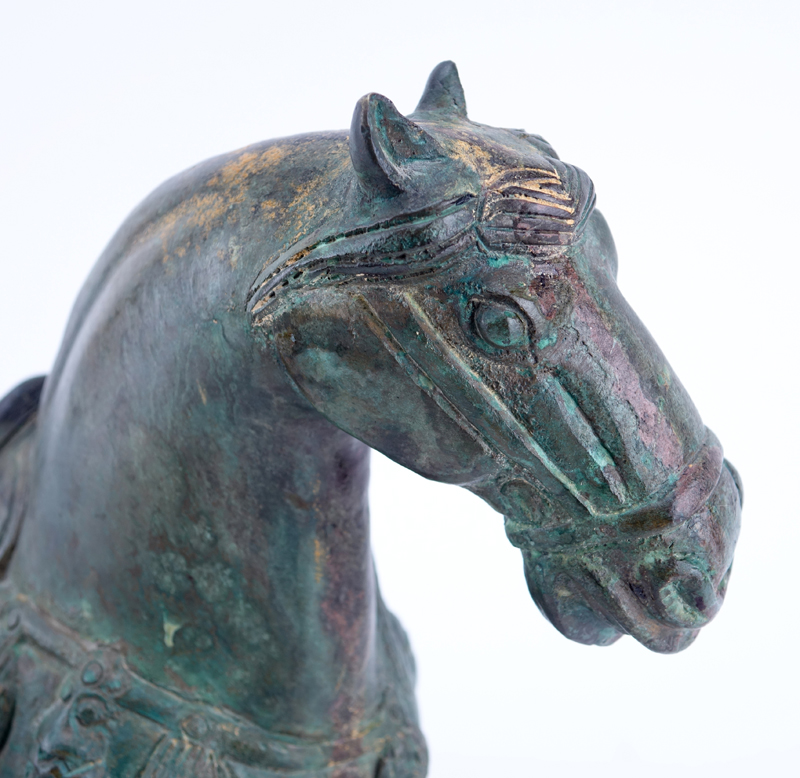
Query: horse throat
x: 217, y: 529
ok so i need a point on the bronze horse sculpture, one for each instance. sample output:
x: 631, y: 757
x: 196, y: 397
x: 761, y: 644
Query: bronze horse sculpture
x: 187, y: 582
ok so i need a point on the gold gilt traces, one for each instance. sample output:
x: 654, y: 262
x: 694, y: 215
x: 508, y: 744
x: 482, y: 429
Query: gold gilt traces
x: 248, y: 164
x: 470, y: 153
x: 231, y: 255
x: 199, y: 211
x: 236, y: 252
x: 539, y: 201
x: 234, y: 170
x: 551, y: 174
x: 304, y: 204
x: 534, y: 185
x: 319, y: 560
x: 297, y: 257
x: 170, y: 628
x: 202, y: 211
x: 289, y: 262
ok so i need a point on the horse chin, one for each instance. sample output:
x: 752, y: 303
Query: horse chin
x: 583, y: 625
x: 563, y: 605
x: 669, y: 641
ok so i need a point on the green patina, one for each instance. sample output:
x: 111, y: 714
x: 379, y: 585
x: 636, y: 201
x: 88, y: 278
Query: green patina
x: 187, y: 583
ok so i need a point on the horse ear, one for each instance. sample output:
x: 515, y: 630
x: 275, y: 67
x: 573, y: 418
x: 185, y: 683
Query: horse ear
x: 384, y: 144
x: 444, y: 92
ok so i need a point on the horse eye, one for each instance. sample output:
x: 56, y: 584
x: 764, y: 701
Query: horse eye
x: 90, y: 711
x: 500, y: 324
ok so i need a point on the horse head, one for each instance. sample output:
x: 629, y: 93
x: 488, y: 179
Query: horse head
x: 460, y: 313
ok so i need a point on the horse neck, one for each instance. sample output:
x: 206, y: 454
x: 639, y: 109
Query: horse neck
x: 209, y: 519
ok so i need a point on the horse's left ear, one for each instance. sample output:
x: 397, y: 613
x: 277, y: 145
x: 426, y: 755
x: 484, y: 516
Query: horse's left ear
x: 384, y: 146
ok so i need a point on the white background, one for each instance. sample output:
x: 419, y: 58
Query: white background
x: 685, y: 116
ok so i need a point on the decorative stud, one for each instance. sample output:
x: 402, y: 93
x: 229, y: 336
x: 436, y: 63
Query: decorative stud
x: 92, y: 673
x: 195, y: 726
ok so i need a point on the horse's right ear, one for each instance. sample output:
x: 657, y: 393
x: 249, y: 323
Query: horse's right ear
x: 444, y: 92
x: 384, y: 145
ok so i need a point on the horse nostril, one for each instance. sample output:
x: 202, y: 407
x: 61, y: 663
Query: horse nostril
x: 60, y: 753
x: 43, y: 757
x: 681, y: 610
x: 736, y: 480
x: 689, y: 600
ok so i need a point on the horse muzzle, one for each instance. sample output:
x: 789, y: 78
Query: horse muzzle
x: 658, y: 572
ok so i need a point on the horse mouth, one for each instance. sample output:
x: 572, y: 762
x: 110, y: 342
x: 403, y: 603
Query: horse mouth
x: 56, y: 768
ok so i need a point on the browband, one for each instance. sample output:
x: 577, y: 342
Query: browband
x: 533, y: 212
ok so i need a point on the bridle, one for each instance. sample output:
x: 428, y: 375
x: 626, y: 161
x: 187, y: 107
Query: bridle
x: 535, y: 213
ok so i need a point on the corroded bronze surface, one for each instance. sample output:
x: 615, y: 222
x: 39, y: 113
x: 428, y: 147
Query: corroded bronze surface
x: 188, y: 586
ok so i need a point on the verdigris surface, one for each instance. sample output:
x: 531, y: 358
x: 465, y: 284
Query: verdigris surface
x: 187, y: 586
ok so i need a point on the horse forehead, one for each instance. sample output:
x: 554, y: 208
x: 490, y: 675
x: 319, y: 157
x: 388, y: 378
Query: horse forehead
x: 489, y: 150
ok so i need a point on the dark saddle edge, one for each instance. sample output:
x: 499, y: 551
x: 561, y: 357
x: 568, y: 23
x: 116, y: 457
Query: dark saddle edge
x: 17, y: 407
x: 17, y: 426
